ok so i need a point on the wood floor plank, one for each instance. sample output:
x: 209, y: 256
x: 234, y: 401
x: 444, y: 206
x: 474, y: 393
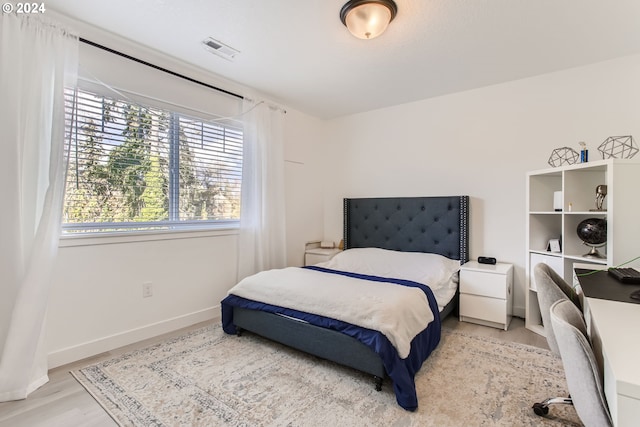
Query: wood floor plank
x: 75, y: 409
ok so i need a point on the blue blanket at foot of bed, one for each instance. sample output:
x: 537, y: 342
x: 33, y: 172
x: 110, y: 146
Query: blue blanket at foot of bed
x: 401, y: 371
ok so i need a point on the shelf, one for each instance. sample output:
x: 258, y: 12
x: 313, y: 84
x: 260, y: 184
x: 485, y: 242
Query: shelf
x: 586, y: 213
x: 580, y: 258
x: 568, y: 213
x: 577, y: 186
x: 545, y: 252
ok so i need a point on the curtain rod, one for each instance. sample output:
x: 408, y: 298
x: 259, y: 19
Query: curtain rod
x: 173, y: 73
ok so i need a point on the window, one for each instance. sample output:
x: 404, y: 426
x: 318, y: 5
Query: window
x: 140, y: 167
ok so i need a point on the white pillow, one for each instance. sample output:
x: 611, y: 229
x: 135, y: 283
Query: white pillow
x: 430, y: 269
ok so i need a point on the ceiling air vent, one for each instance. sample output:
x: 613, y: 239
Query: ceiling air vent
x: 220, y: 49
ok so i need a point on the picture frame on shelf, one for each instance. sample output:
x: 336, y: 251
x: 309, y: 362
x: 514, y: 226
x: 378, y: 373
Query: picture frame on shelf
x: 554, y: 246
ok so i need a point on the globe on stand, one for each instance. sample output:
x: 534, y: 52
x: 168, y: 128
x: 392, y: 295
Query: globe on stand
x: 593, y: 232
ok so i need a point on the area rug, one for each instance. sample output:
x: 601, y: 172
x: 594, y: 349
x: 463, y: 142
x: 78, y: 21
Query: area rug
x: 208, y: 378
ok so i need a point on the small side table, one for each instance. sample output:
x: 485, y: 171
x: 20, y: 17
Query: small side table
x: 486, y: 294
x: 316, y: 255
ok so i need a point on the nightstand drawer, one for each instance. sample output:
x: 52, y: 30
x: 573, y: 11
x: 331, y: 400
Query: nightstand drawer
x: 490, y: 309
x: 484, y: 284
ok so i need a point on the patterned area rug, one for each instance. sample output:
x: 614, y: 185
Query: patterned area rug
x: 208, y: 378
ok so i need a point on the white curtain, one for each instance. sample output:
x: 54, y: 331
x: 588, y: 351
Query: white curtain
x: 37, y: 60
x: 262, y: 244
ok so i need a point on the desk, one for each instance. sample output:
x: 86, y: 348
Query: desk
x: 614, y: 329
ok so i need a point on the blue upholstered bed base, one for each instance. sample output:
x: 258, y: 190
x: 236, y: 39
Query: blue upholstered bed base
x: 409, y: 224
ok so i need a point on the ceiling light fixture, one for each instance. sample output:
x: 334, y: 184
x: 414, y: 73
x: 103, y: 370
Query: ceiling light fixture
x: 367, y: 19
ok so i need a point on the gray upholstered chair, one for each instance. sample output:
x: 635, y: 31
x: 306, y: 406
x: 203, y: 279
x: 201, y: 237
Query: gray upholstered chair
x: 580, y: 366
x: 551, y: 288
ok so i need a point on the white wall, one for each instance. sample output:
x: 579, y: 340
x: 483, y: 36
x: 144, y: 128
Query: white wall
x: 96, y: 302
x: 304, y: 153
x: 481, y: 143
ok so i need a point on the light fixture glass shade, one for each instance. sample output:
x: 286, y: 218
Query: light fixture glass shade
x: 368, y: 20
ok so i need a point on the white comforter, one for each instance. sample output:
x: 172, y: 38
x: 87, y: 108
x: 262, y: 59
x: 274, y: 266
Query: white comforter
x: 399, y: 312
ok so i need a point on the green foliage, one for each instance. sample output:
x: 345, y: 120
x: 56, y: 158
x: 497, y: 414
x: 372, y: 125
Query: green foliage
x: 154, y: 198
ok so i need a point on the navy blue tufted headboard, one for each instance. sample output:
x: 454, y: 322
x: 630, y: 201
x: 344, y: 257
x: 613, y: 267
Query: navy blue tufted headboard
x: 409, y: 224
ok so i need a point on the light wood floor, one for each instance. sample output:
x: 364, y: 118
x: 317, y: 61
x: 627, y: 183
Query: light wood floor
x: 64, y: 402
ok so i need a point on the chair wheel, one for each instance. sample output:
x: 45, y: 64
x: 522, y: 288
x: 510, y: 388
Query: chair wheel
x: 540, y: 409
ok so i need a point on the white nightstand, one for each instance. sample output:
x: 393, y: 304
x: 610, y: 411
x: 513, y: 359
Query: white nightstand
x: 486, y: 294
x: 316, y: 255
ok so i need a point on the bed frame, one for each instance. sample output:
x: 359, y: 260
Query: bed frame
x: 408, y: 224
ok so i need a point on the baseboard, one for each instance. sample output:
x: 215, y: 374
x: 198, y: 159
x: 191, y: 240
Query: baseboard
x: 91, y: 348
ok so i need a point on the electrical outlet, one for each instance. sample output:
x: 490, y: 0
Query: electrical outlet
x: 147, y: 289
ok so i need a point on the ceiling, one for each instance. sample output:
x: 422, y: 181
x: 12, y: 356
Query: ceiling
x: 299, y: 53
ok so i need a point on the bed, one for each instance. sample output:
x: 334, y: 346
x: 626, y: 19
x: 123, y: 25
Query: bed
x: 415, y: 225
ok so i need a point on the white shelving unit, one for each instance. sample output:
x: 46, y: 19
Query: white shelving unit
x: 578, y: 183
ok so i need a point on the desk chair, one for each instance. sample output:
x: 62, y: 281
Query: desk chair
x: 580, y: 366
x: 551, y: 288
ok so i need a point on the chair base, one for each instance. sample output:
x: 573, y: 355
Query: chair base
x: 542, y: 408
